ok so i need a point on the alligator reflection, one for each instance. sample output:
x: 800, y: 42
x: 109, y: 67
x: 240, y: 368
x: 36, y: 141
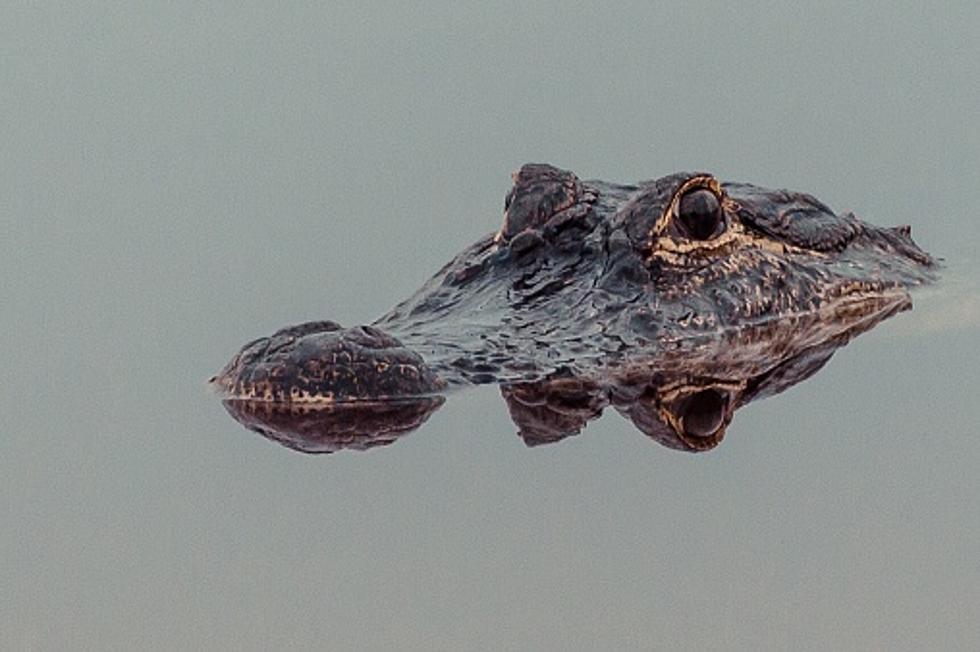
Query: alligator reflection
x: 684, y: 396
x: 328, y: 428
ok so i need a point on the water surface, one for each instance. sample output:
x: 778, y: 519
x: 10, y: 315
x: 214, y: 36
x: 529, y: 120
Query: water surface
x: 176, y: 181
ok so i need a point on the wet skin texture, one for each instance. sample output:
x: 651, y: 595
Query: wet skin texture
x: 683, y: 396
x: 593, y: 281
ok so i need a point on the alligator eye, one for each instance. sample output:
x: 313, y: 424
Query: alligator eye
x: 699, y: 214
x: 703, y: 413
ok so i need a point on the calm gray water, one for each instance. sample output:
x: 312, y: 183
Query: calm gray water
x: 175, y: 181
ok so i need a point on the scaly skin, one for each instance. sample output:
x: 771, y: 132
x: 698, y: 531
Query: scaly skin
x: 586, y: 277
x: 683, y: 398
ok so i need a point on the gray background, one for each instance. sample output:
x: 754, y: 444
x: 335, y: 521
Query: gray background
x: 177, y: 180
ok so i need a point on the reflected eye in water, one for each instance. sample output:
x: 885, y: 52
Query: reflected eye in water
x: 702, y: 415
x: 699, y: 214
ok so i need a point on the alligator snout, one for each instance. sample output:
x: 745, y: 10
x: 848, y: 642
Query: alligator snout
x: 322, y: 362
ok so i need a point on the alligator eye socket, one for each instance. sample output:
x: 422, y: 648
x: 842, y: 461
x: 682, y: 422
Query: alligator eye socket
x: 703, y: 414
x: 699, y: 214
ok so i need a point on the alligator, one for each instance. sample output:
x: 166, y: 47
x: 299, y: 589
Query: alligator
x: 609, y: 293
x: 683, y: 397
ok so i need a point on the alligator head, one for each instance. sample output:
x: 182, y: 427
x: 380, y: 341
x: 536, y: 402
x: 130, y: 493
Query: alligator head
x: 594, y: 281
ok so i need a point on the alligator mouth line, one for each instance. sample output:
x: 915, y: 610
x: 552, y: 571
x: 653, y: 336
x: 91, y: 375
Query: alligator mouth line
x: 851, y: 307
x: 246, y: 392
